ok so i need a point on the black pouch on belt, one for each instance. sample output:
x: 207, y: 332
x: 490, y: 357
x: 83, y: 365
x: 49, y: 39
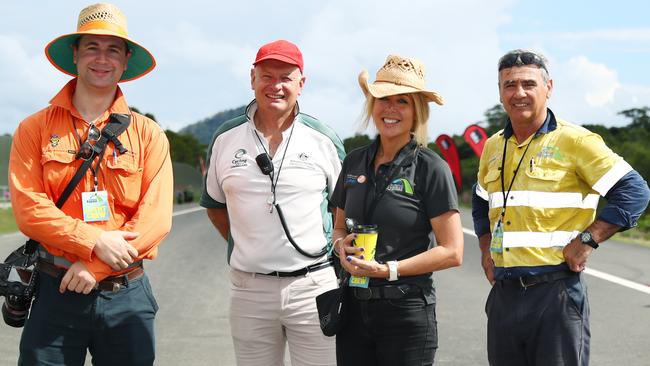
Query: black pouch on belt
x: 331, y: 310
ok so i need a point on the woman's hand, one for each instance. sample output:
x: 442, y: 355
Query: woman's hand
x: 353, y: 262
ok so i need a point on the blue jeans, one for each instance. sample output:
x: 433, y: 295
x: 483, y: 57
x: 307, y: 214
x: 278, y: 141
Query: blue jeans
x: 388, y: 332
x: 117, y: 328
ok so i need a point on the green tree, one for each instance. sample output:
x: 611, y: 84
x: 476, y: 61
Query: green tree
x: 495, y: 119
x: 148, y: 115
x: 185, y: 148
x: 356, y: 141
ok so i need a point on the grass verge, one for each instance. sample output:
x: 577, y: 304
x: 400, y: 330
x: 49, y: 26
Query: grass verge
x: 7, y: 222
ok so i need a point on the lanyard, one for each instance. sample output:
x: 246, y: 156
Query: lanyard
x: 395, y: 166
x: 273, y: 174
x: 503, y: 162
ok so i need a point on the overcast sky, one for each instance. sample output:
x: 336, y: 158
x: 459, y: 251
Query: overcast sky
x: 599, y: 54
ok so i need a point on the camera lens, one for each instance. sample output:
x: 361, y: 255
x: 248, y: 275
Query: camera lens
x: 14, y: 317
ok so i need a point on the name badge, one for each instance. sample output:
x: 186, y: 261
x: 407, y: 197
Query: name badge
x: 95, y: 206
x: 496, y: 244
x: 362, y: 282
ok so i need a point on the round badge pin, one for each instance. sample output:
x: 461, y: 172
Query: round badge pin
x: 361, y: 178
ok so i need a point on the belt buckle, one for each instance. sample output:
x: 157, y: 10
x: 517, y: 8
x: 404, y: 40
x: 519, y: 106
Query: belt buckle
x: 116, y: 287
x: 364, y: 294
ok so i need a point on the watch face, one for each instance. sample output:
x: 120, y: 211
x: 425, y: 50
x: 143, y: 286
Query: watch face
x: 585, y: 237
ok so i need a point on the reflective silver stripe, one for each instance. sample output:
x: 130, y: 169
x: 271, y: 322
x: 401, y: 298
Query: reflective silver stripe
x: 536, y: 199
x: 57, y: 261
x: 482, y: 192
x: 517, y: 239
x: 607, y: 181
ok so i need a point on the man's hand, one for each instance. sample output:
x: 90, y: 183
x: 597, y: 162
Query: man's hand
x: 486, y: 257
x: 78, y: 279
x: 113, y: 249
x: 575, y: 255
x: 488, y: 267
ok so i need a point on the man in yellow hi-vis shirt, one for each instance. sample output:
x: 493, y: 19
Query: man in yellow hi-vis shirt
x: 534, y: 207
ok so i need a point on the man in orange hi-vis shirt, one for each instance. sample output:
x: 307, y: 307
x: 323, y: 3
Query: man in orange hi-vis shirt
x: 92, y: 292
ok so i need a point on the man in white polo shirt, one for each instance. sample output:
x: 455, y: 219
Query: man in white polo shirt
x: 270, y: 174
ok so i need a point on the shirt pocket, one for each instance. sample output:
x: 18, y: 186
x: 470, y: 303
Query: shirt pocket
x: 544, y: 181
x: 124, y: 179
x: 491, y: 180
x: 58, y: 168
x: 543, y: 178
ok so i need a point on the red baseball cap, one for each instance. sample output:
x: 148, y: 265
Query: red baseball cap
x: 280, y: 50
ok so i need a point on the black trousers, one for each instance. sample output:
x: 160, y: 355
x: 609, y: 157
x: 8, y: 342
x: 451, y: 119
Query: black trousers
x: 117, y: 328
x: 388, y: 332
x: 543, y: 325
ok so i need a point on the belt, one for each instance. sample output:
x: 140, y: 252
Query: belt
x: 299, y: 272
x: 528, y: 281
x: 388, y: 292
x: 112, y: 283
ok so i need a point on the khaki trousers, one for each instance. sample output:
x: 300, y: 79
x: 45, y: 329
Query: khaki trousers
x: 267, y: 312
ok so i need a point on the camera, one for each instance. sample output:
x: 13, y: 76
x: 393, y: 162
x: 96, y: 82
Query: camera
x: 17, y: 284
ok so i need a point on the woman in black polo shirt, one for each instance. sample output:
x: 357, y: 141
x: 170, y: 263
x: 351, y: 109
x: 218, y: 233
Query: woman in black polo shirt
x: 405, y: 189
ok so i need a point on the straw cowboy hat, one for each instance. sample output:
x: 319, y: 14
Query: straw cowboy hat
x: 102, y: 20
x: 399, y: 75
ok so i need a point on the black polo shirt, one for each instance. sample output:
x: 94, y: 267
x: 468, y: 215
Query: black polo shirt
x: 421, y: 187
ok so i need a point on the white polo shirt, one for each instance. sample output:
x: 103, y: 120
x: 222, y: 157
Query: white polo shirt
x: 310, y: 168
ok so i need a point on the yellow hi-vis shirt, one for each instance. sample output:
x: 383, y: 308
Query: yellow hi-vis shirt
x: 555, y: 192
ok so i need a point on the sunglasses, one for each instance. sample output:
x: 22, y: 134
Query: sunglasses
x: 521, y: 59
x: 87, y: 151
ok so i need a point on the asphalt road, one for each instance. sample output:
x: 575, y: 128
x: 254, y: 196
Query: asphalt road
x: 190, y: 280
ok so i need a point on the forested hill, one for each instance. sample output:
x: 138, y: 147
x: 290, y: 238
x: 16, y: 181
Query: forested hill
x: 5, y: 146
x: 204, y: 129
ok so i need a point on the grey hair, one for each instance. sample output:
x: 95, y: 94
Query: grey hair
x: 506, y: 61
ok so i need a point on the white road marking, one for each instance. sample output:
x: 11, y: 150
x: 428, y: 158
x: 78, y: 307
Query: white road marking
x: 590, y: 271
x: 602, y: 275
x: 189, y: 210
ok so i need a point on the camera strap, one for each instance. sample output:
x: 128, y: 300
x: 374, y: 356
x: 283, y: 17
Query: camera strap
x: 117, y: 123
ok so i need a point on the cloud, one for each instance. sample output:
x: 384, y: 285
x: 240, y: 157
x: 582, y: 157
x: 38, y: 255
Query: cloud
x: 25, y: 82
x: 204, y: 55
x: 588, y: 92
x: 614, y: 35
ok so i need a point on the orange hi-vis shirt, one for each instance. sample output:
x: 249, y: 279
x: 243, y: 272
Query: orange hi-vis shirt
x: 139, y: 183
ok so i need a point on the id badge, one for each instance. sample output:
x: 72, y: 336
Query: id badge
x: 362, y: 282
x: 95, y: 206
x: 496, y: 244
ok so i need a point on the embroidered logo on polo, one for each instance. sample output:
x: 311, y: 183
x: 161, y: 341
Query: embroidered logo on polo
x: 550, y: 152
x: 401, y: 185
x: 239, y: 159
x: 351, y: 179
x: 304, y: 160
x: 54, y: 140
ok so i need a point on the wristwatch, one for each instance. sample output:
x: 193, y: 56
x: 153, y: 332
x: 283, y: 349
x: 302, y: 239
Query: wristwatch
x: 392, y: 270
x: 587, y: 239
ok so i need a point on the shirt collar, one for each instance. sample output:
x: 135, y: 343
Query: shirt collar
x: 251, y: 108
x: 63, y: 99
x: 406, y: 154
x: 549, y: 125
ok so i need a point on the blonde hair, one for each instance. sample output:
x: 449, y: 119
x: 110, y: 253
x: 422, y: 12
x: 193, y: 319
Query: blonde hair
x: 420, y: 116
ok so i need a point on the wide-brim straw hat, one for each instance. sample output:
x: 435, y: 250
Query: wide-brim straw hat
x: 101, y: 20
x: 399, y: 75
